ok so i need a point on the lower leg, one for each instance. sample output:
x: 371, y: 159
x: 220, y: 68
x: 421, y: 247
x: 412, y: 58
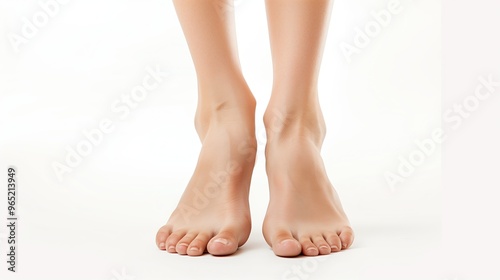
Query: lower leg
x: 297, y: 31
x: 210, y: 32
x: 304, y: 214
x: 213, y: 213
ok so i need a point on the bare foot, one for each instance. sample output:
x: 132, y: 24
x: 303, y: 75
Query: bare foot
x: 304, y: 213
x: 213, y: 213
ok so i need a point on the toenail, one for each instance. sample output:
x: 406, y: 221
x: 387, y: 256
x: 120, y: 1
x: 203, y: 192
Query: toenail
x: 312, y: 249
x: 194, y: 249
x: 182, y: 244
x: 335, y: 248
x: 162, y: 245
x: 324, y: 247
x: 171, y: 248
x: 283, y: 243
x: 222, y: 241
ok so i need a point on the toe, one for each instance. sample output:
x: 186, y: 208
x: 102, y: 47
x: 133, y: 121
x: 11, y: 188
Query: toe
x: 308, y: 247
x: 161, y: 237
x: 198, y: 245
x: 347, y: 237
x: 183, y: 244
x: 173, y: 239
x: 285, y: 245
x: 224, y: 243
x: 334, y: 241
x: 322, y: 245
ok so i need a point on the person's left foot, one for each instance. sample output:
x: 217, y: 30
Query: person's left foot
x: 304, y: 213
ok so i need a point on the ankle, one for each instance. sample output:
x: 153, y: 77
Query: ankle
x: 292, y: 120
x: 227, y: 104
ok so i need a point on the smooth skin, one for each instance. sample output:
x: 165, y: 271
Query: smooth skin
x: 304, y: 215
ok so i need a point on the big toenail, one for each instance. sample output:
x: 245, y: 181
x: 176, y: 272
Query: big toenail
x: 283, y: 242
x: 222, y: 241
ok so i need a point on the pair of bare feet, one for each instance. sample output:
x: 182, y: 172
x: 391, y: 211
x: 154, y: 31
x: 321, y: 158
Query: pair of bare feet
x: 304, y: 215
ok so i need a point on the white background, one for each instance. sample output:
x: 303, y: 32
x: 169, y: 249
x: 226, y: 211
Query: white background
x: 100, y: 220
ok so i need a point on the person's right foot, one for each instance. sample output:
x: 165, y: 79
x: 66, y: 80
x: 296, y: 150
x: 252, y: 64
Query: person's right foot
x: 213, y: 213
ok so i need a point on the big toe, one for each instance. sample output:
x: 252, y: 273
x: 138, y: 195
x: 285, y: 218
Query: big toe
x: 224, y: 243
x: 347, y: 237
x: 285, y: 245
x: 161, y: 237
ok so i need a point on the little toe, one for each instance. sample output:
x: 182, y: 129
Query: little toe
x: 161, y: 237
x: 173, y: 239
x: 183, y: 244
x: 224, y: 243
x: 320, y: 243
x: 198, y: 245
x: 347, y: 237
x: 334, y: 241
x: 285, y: 245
